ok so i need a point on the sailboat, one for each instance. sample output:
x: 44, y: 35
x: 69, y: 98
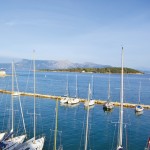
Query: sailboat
x: 33, y: 144
x: 120, y: 129
x: 66, y: 98
x: 108, y: 105
x: 16, y: 94
x: 7, y: 139
x: 87, y: 120
x: 139, y: 108
x: 90, y: 102
x: 76, y: 99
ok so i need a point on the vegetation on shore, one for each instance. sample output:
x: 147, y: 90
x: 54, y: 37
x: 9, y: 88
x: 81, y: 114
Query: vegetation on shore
x: 96, y: 70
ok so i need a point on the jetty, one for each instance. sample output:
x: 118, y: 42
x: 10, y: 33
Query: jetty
x: 100, y: 102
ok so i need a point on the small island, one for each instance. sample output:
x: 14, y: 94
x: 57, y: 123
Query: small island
x: 116, y: 70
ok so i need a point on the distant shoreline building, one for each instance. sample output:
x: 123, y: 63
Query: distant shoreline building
x: 2, y: 72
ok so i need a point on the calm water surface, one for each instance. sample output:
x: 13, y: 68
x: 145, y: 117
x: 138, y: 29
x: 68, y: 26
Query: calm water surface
x: 71, y: 120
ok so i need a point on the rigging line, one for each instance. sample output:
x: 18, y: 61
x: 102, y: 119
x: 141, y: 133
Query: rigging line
x: 9, y: 120
x: 126, y: 137
x: 53, y: 123
x: 107, y: 129
x: 92, y: 120
x: 4, y: 113
x: 127, y: 111
x: 74, y: 119
x: 41, y: 118
x: 60, y: 133
x: 89, y: 141
x: 18, y: 125
x: 29, y: 73
x: 38, y: 103
x: 128, y: 118
x: 50, y: 136
x: 20, y: 101
x: 83, y: 126
x: 30, y: 129
x: 114, y: 137
x: 4, y: 119
x: 56, y: 125
x: 87, y: 120
x: 81, y: 136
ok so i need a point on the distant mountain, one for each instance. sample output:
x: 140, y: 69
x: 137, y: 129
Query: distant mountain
x: 26, y: 64
x: 97, y: 70
x: 5, y: 60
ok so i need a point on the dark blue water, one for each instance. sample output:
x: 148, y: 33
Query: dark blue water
x: 71, y: 120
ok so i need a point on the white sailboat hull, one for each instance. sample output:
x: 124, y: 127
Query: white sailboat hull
x: 16, y: 94
x: 64, y: 100
x: 90, y: 103
x: 2, y: 135
x: 120, y: 148
x: 12, y: 143
x: 73, y: 101
x: 108, y: 105
x: 139, y: 108
x: 32, y: 144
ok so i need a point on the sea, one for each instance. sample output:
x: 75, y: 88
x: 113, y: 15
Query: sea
x: 71, y: 122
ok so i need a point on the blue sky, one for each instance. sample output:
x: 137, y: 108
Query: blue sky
x: 77, y: 30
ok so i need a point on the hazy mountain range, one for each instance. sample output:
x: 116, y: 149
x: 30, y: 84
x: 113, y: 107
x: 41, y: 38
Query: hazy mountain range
x: 26, y: 64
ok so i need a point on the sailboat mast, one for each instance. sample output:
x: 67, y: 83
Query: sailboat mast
x: 19, y: 100
x: 34, y: 94
x: 109, y: 87
x: 92, y: 88
x: 56, y: 125
x: 67, y: 87
x: 139, y: 92
x: 12, y: 100
x: 76, y: 87
x: 87, y: 120
x: 121, y: 105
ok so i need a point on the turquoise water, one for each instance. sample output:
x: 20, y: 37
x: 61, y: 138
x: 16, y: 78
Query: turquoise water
x: 71, y: 120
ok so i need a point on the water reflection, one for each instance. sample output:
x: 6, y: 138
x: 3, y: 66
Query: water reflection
x: 107, y: 111
x: 138, y: 113
x: 69, y: 105
x: 90, y: 107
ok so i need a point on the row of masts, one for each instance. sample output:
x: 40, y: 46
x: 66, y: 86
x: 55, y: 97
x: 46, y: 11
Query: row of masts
x: 8, y: 141
x: 120, y: 129
x: 39, y: 143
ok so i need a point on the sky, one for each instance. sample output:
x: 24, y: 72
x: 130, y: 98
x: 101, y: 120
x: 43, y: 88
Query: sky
x: 77, y: 30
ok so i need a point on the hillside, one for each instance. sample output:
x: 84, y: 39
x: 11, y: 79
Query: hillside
x: 65, y: 65
x: 98, y: 70
x: 26, y: 64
